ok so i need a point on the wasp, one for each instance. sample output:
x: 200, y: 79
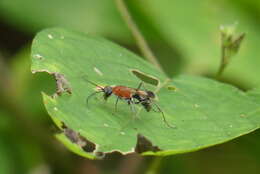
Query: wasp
x: 131, y: 95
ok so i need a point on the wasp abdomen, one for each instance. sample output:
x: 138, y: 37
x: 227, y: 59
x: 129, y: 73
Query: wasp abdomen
x: 123, y: 92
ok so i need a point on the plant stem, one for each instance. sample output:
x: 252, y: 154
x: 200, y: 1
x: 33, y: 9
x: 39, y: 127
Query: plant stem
x: 223, y: 62
x: 141, y: 42
x: 230, y: 44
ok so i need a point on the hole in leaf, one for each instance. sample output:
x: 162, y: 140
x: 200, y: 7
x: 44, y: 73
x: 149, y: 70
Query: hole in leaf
x: 143, y: 145
x: 145, y: 77
x: 76, y: 138
x: 43, y: 81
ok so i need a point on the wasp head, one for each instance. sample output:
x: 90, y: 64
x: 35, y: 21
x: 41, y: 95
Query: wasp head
x: 150, y: 94
x: 108, y: 90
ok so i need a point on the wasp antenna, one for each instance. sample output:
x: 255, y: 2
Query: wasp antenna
x: 91, y: 95
x: 164, y: 119
x: 93, y: 83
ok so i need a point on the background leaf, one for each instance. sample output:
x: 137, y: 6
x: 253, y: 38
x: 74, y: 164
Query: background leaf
x: 191, y: 107
x: 99, y: 17
x: 194, y: 31
x: 16, y: 148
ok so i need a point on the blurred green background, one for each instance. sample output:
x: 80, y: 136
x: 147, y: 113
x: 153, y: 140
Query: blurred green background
x: 184, y: 35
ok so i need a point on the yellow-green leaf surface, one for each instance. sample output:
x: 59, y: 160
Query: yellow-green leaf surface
x: 205, y: 112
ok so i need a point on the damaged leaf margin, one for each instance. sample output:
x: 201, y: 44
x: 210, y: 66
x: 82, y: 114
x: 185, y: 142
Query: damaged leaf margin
x: 41, y: 63
x: 72, y: 139
x: 62, y: 84
x: 76, y: 142
x: 187, y: 101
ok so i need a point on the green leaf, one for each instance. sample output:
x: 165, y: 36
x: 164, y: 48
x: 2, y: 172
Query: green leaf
x: 205, y: 112
x: 16, y: 148
x: 255, y: 94
x: 194, y: 30
x: 5, y: 162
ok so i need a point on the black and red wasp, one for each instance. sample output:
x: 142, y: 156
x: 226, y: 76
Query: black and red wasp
x: 131, y: 95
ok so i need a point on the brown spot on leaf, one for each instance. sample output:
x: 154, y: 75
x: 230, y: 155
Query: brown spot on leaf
x: 76, y: 138
x: 62, y: 84
x: 143, y: 145
x: 100, y: 155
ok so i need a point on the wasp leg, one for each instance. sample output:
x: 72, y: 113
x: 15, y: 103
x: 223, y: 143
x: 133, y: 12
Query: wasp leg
x: 139, y: 86
x: 156, y: 110
x: 116, y: 104
x: 130, y: 103
x: 163, y: 116
x: 91, y: 95
x: 136, y: 101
